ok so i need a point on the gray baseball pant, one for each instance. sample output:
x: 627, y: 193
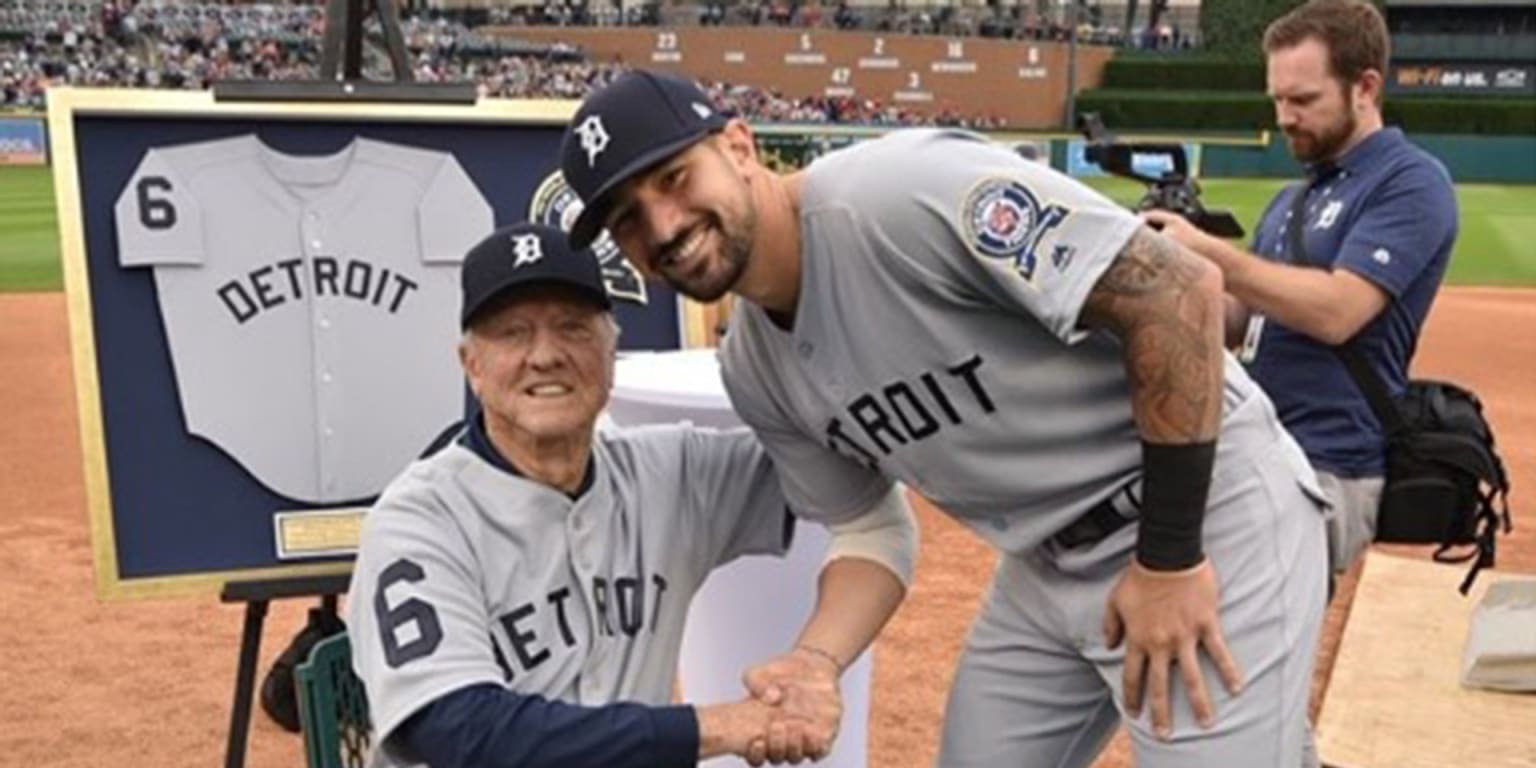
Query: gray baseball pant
x: 1037, y: 688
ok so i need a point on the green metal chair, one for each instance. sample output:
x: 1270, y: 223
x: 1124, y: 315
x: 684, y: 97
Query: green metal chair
x: 333, y: 709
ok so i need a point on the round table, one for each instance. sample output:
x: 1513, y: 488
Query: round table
x: 752, y: 608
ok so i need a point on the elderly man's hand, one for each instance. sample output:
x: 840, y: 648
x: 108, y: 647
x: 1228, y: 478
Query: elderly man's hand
x: 803, y: 683
x: 735, y: 728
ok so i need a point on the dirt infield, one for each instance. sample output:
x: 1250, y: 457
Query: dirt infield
x: 149, y: 683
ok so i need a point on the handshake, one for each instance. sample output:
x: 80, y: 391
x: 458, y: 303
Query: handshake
x: 791, y: 714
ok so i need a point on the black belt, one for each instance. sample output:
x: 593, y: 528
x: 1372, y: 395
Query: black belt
x: 1102, y: 519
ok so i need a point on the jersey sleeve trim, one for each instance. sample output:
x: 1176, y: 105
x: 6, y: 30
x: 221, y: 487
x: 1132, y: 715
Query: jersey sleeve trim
x: 1077, y: 290
x: 387, y: 722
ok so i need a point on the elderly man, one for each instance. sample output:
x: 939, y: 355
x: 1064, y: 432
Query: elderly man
x: 519, y: 597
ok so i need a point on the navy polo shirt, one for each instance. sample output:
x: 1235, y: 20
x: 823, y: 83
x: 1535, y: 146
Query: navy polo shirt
x: 1386, y: 211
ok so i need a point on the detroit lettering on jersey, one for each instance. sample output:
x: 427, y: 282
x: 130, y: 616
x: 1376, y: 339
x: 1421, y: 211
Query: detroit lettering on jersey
x: 621, y: 608
x: 276, y: 284
x: 909, y: 410
x: 469, y: 574
x: 290, y: 287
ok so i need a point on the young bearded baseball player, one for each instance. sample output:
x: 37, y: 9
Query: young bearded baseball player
x: 930, y: 308
x: 519, y: 597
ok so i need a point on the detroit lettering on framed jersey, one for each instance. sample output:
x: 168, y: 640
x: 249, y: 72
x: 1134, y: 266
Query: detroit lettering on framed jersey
x: 309, y: 302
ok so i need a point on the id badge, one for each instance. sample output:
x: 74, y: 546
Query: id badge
x: 1250, y: 348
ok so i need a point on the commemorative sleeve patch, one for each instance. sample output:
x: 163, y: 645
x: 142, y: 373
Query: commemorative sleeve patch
x: 555, y: 204
x: 1003, y: 220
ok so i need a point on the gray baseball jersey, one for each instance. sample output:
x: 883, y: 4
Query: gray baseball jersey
x: 936, y: 342
x: 470, y: 574
x: 309, y: 302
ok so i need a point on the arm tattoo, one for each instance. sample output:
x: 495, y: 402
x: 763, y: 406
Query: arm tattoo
x: 1159, y: 300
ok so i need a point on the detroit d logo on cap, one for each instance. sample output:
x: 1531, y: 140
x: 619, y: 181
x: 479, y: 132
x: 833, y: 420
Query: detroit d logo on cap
x: 594, y: 138
x: 526, y: 250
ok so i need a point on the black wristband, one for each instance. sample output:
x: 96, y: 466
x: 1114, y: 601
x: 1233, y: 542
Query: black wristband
x: 1175, y: 481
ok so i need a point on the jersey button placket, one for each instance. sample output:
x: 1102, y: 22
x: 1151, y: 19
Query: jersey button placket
x: 313, y: 234
x: 829, y: 381
x: 587, y: 554
x: 578, y: 525
x: 325, y: 398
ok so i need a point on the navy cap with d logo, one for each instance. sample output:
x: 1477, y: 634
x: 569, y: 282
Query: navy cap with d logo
x: 525, y: 255
x: 637, y: 121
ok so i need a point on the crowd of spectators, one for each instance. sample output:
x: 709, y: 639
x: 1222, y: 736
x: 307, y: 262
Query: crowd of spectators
x: 150, y: 46
x: 1022, y: 21
x: 1491, y: 19
x: 193, y: 46
x: 572, y: 13
x: 769, y: 106
x: 190, y: 45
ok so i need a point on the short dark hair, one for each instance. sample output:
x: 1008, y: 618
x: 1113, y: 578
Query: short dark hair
x: 1353, y: 31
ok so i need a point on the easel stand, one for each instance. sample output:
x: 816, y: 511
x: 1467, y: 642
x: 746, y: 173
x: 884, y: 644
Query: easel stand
x: 340, y: 80
x: 256, y: 595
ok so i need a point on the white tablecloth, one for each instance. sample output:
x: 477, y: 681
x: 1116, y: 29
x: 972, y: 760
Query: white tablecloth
x: 753, y: 608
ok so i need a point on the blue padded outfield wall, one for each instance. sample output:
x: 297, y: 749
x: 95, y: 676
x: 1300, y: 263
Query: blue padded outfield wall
x: 1502, y: 159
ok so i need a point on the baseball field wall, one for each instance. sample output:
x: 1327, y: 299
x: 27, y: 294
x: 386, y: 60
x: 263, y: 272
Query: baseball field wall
x: 1259, y: 153
x: 1495, y: 159
x: 1024, y: 82
x: 1485, y: 134
x: 23, y: 140
x: 1229, y: 110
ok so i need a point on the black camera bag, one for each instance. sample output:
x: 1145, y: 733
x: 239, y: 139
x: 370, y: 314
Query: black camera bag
x: 1443, y: 471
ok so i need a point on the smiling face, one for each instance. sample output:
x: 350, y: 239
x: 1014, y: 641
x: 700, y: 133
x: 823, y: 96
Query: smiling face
x: 691, y: 219
x: 541, y: 365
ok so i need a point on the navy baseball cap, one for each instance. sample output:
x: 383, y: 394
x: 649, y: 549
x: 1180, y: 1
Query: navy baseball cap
x: 523, y: 255
x: 638, y: 120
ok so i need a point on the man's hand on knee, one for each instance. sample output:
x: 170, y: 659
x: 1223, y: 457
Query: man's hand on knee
x: 1163, y: 617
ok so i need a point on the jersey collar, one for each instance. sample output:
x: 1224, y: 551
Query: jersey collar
x: 478, y: 441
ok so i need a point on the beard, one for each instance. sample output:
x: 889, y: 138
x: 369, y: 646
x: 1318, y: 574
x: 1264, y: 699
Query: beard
x: 1324, y: 143
x: 715, y: 277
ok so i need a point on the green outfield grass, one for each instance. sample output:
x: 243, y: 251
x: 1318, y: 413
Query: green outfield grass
x: 29, y: 230
x: 1497, y: 244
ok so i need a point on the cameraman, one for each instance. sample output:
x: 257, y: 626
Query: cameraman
x: 1380, y: 220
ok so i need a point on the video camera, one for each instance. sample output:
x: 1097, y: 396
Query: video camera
x: 1173, y: 191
